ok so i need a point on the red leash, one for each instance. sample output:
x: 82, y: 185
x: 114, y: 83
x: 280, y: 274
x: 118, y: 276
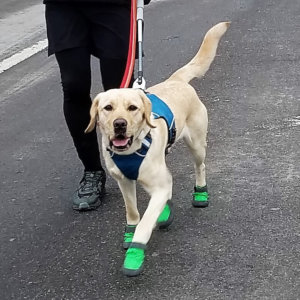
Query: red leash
x: 132, y: 47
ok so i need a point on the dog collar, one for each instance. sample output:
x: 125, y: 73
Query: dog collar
x: 130, y: 164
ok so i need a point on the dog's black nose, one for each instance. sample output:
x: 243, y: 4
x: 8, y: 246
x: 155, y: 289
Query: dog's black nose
x: 120, y: 124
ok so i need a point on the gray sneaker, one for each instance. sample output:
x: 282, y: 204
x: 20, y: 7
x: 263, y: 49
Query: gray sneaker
x: 90, y: 191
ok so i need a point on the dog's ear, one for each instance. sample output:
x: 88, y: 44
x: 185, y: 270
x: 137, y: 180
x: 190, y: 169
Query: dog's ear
x: 148, y: 109
x: 93, y: 114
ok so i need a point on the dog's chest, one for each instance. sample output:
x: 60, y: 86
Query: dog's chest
x: 129, y: 165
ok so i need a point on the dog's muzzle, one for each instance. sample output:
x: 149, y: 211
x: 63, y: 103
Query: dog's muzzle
x: 120, y: 141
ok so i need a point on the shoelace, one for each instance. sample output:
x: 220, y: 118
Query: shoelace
x: 90, y: 181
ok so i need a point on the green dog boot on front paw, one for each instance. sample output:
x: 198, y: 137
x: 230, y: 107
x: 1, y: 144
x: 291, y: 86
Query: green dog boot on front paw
x: 200, y: 196
x: 166, y: 217
x: 134, y: 259
x: 128, y: 235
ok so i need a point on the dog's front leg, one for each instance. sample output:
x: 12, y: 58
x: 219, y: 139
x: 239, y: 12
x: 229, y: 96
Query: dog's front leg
x: 160, y: 190
x: 128, y: 189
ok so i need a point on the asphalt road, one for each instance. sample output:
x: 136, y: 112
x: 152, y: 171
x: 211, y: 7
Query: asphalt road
x: 245, y: 245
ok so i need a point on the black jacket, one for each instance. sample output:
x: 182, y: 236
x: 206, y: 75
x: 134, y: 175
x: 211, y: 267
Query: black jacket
x: 126, y: 2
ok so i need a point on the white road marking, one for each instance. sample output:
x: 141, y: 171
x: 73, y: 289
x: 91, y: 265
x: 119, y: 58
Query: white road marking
x: 22, y: 35
x: 17, y: 21
x: 22, y: 55
x: 295, y: 121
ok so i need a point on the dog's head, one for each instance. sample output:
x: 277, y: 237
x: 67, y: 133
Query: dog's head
x: 123, y: 115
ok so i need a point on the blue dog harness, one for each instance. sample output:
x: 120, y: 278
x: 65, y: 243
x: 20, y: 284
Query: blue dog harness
x: 130, y: 164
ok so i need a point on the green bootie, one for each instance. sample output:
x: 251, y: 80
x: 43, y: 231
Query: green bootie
x: 128, y: 235
x: 200, y: 196
x: 166, y: 217
x: 134, y: 259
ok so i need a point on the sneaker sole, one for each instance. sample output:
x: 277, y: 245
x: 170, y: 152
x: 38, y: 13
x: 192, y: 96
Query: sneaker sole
x: 84, y: 206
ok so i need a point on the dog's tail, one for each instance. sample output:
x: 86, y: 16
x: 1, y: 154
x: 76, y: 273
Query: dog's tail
x: 199, y: 65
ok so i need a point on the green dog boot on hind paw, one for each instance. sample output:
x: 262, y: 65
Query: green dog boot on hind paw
x: 134, y: 260
x: 166, y: 217
x: 128, y: 235
x: 200, y: 196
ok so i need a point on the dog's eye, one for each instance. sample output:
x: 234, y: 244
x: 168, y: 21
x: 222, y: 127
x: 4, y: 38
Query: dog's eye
x: 132, y: 108
x: 108, y: 107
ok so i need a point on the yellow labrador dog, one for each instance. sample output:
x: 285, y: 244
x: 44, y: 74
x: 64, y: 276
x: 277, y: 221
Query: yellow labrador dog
x: 134, y: 140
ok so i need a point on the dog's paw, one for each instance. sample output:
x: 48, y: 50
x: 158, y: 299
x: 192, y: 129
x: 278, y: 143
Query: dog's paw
x: 200, y: 197
x: 128, y: 235
x: 134, y: 260
x: 166, y: 217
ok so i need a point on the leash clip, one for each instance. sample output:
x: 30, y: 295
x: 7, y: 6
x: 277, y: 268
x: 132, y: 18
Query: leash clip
x: 139, y: 84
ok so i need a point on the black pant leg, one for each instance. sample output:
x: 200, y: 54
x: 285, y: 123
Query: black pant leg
x: 112, y: 71
x: 75, y: 72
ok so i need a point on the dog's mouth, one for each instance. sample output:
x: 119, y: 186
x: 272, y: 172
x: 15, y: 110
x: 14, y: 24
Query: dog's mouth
x: 121, y: 142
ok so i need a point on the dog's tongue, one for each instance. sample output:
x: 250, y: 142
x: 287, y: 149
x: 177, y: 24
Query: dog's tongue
x: 120, y: 142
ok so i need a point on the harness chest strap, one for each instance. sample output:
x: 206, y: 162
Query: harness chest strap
x: 130, y: 164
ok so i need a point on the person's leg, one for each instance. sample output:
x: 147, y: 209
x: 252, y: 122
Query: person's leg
x: 75, y: 71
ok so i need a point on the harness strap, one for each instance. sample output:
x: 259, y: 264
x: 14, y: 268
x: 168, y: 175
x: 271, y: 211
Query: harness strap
x: 161, y: 110
x: 130, y: 164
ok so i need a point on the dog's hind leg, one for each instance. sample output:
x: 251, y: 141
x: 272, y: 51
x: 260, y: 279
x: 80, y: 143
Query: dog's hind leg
x: 195, y: 139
